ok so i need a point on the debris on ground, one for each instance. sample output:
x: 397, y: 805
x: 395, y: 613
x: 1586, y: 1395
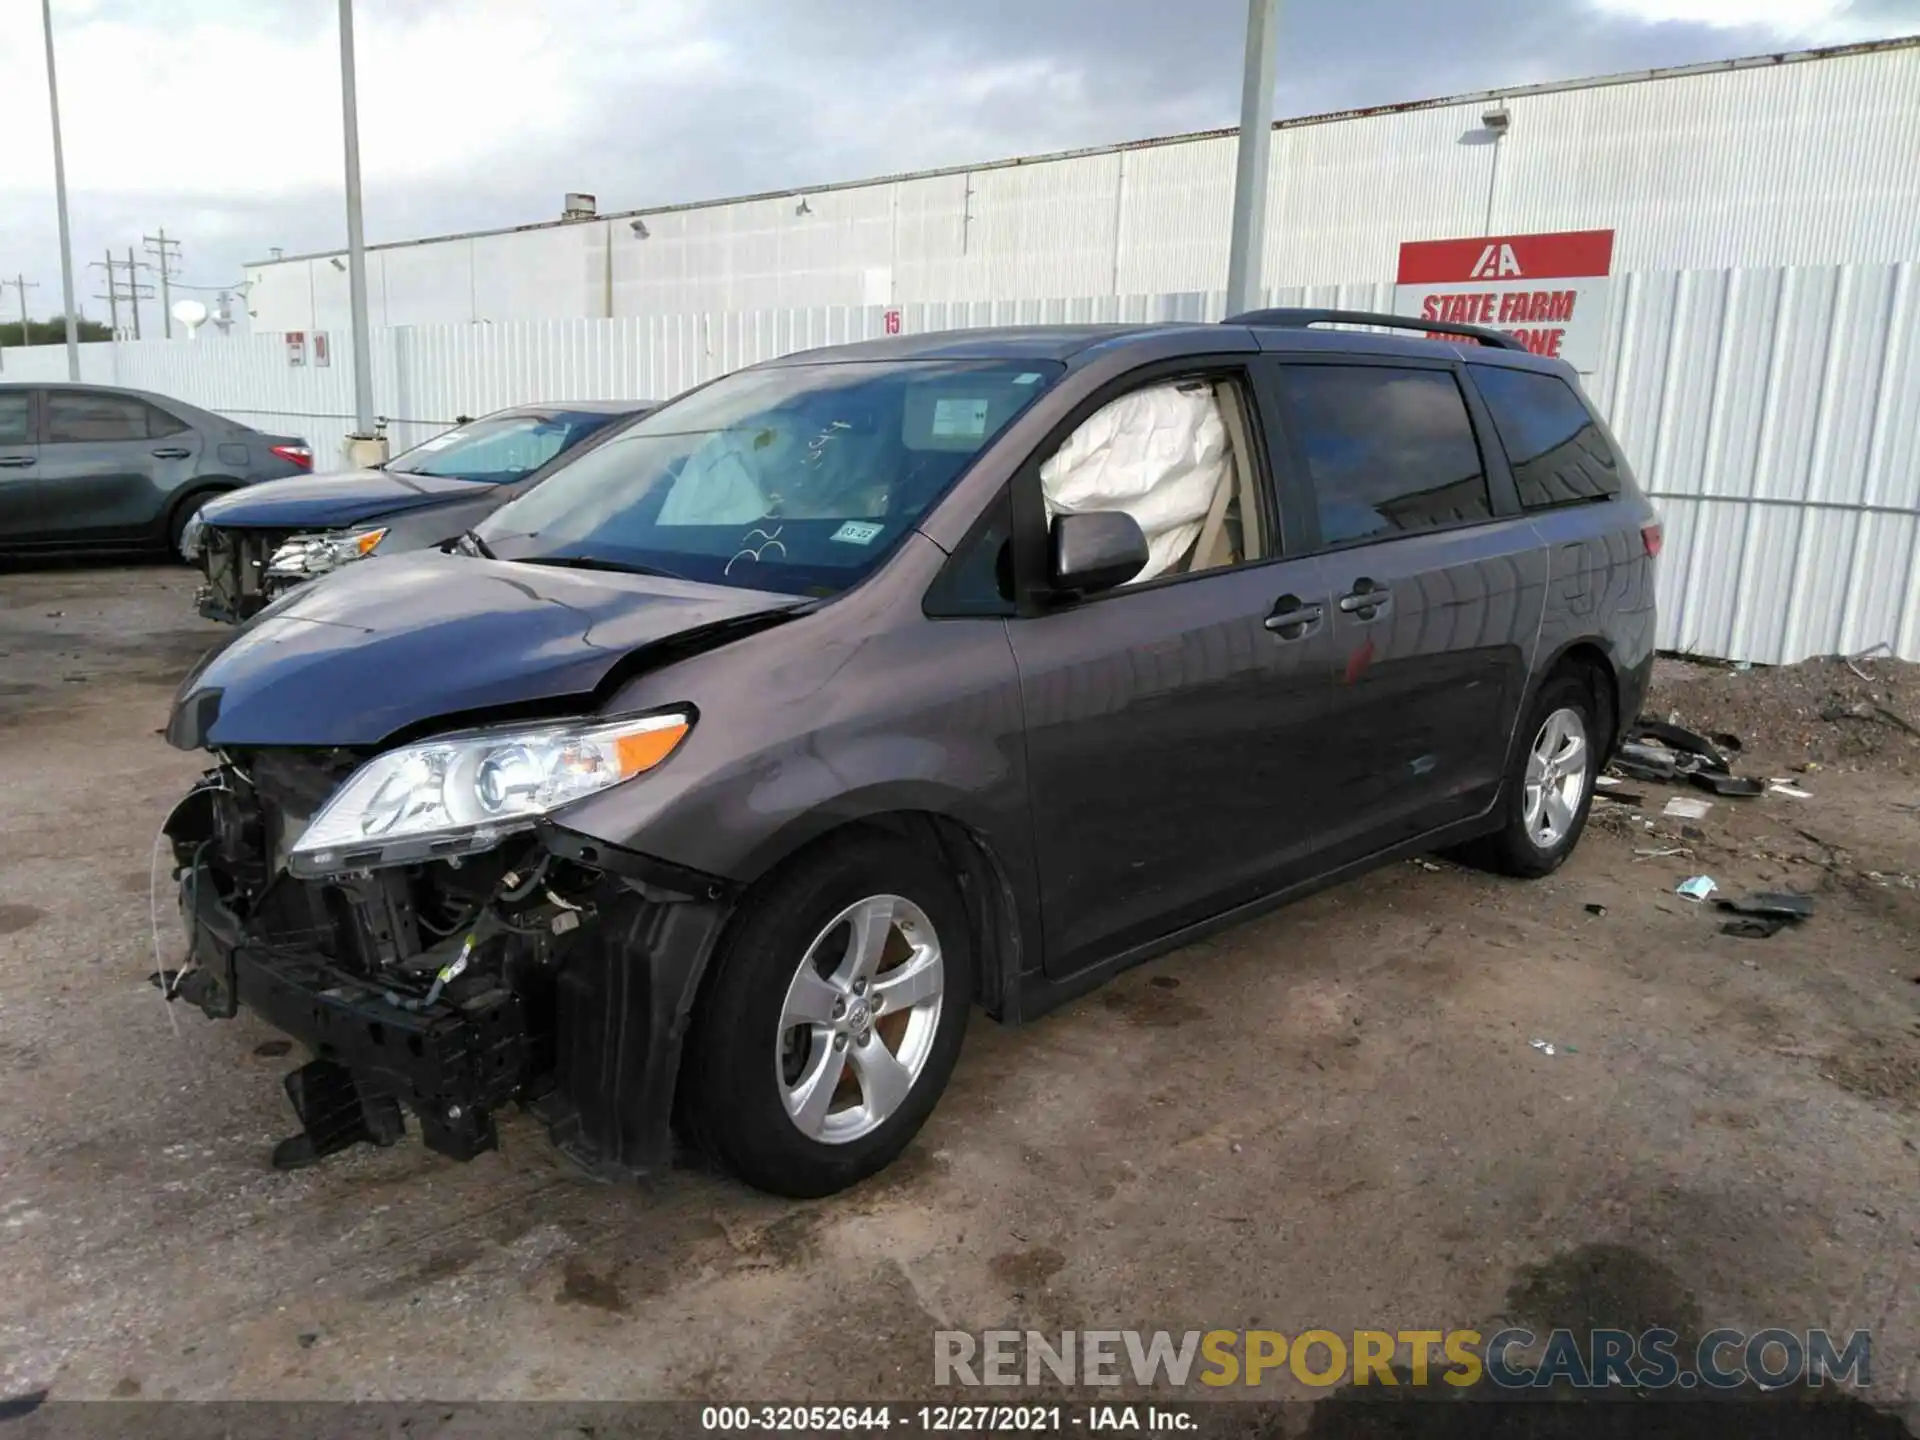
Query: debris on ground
x: 1765, y: 913
x: 1696, y: 887
x: 1663, y: 853
x: 1643, y: 762
x: 1685, y: 807
x: 1596, y: 909
x: 1778, y: 904
x: 1785, y: 786
x: 1545, y: 1047
x: 1738, y: 786
x: 1780, y: 711
x: 1681, y: 742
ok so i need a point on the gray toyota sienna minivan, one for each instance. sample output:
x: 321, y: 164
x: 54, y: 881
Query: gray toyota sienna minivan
x: 710, y: 785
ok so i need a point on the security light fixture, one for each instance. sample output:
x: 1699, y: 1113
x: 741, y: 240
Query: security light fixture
x: 803, y: 208
x: 1497, y: 121
x: 337, y: 263
x: 639, y: 228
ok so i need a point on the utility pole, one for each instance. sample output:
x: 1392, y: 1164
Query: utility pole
x: 133, y: 288
x: 356, y: 238
x: 1247, y: 245
x: 158, y: 245
x: 22, y: 284
x: 112, y: 297
x: 133, y: 293
x: 60, y: 199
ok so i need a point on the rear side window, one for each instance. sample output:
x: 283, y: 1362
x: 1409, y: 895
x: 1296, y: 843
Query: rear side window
x: 75, y: 416
x: 1389, y: 451
x: 1558, y: 454
x: 14, y: 429
x: 161, y: 422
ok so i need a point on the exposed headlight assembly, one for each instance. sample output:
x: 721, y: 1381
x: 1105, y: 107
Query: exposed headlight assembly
x: 462, y: 794
x: 303, y: 556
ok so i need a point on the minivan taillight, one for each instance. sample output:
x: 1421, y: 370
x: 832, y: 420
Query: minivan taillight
x: 294, y: 455
x: 1651, y: 537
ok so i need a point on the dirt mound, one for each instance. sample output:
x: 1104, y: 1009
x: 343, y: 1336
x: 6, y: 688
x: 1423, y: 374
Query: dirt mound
x: 1819, y: 710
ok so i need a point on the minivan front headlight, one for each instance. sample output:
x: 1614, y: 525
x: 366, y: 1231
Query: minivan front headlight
x: 462, y: 794
x: 301, y: 557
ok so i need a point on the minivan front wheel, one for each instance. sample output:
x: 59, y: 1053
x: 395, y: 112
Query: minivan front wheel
x: 1550, y: 785
x: 833, y: 1021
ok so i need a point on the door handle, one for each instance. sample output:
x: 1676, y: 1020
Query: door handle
x: 1290, y: 619
x: 1366, y: 600
x: 171, y: 452
x: 16, y: 462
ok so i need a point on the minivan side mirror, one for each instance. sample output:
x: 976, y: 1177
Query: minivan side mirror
x: 1096, y: 551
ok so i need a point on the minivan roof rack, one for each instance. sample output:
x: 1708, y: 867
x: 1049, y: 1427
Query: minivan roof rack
x: 1293, y: 319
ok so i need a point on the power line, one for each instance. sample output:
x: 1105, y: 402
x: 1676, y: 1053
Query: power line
x: 168, y: 252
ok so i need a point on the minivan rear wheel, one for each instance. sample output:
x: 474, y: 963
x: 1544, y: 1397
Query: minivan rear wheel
x: 833, y: 1019
x: 1549, y: 788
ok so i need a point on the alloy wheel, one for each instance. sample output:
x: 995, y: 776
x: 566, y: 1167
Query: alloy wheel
x: 1556, y: 777
x: 859, y: 1019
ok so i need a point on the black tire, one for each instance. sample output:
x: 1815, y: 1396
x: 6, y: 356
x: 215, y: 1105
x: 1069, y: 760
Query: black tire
x: 1515, y: 848
x: 731, y: 1101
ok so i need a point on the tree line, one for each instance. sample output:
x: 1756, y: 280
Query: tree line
x: 50, y: 332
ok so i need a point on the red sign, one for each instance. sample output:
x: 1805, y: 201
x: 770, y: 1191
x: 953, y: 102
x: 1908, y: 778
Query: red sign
x: 1548, y: 291
x: 296, y: 347
x: 1571, y: 254
x: 893, y: 322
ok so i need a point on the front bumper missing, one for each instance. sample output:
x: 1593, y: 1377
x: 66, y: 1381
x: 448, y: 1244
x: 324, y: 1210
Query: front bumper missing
x: 585, y: 1035
x: 235, y: 565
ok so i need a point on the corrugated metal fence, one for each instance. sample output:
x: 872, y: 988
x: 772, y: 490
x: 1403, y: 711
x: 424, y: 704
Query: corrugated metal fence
x: 1773, y: 413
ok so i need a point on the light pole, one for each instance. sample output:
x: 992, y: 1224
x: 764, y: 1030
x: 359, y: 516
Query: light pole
x: 1249, y: 236
x: 60, y: 200
x: 356, y: 240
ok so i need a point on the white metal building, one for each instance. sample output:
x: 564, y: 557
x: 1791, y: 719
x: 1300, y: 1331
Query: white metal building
x: 1810, y: 158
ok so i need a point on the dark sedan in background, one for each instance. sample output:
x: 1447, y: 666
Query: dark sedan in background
x: 96, y: 467
x: 254, y: 547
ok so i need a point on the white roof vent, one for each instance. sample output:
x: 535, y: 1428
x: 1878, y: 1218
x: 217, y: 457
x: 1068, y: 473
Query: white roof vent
x: 579, y: 207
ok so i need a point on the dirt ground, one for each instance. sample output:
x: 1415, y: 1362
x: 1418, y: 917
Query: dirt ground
x: 1333, y: 1117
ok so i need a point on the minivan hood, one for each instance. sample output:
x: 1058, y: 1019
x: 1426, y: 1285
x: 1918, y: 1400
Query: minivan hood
x: 350, y: 659
x: 321, y: 502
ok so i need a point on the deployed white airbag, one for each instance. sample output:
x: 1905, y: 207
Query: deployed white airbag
x: 721, y: 483
x: 1159, y: 454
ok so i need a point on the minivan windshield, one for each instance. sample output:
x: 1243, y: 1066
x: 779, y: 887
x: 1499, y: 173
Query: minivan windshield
x: 496, y: 449
x: 798, y: 478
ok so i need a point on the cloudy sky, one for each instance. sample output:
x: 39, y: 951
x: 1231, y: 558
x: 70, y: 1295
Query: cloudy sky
x: 220, y: 119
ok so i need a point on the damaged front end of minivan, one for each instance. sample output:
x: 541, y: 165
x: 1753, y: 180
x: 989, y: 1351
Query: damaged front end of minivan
x: 398, y: 892
x: 448, y: 978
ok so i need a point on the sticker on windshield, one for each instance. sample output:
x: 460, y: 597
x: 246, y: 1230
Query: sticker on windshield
x: 1032, y: 377
x: 439, y: 442
x: 858, y: 532
x: 960, y: 419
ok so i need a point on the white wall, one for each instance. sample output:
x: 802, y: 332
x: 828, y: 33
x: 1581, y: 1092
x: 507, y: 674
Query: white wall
x: 1770, y: 411
x: 1810, y: 161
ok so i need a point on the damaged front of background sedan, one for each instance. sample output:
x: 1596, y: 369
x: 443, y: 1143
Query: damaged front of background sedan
x: 384, y: 862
